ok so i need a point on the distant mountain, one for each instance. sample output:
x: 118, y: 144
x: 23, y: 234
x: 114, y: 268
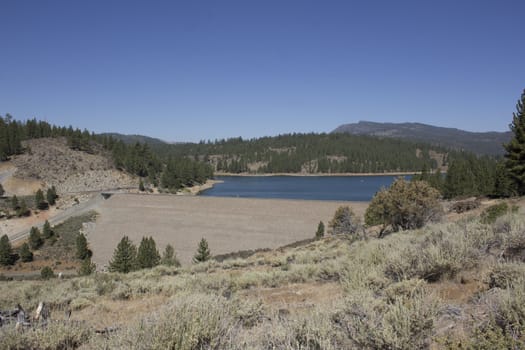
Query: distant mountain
x: 131, y: 139
x: 483, y: 143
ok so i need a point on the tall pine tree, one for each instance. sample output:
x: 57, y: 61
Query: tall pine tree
x: 148, y: 255
x: 6, y: 251
x: 124, y: 257
x: 515, y: 156
x: 203, y: 252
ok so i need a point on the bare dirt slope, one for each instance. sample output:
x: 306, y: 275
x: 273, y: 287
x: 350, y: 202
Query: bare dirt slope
x: 229, y: 224
x: 51, y: 162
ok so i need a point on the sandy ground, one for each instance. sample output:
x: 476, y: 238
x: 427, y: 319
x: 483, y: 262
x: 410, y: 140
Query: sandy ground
x: 229, y: 224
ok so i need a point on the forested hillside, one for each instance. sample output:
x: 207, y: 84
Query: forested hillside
x: 481, y: 143
x: 315, y: 153
x: 158, y: 168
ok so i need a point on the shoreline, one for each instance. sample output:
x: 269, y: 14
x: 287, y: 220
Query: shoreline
x: 399, y: 173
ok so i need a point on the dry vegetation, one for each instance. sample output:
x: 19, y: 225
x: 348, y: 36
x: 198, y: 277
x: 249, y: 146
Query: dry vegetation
x: 449, y: 285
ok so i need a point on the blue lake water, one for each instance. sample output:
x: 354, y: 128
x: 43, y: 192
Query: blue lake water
x: 336, y: 188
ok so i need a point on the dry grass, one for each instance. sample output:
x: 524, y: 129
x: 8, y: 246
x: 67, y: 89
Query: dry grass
x: 444, y: 286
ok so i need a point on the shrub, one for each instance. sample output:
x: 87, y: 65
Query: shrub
x: 464, y: 206
x: 169, y: 258
x: 493, y: 212
x: 344, y: 221
x: 405, y: 205
x: 87, y: 267
x: 47, y: 273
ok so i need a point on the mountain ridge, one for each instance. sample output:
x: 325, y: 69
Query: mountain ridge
x: 481, y: 143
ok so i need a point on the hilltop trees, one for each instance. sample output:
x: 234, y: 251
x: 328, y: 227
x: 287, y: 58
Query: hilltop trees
x: 515, y: 156
x: 404, y: 205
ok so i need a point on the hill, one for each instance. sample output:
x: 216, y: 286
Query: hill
x: 482, y: 143
x: 132, y: 139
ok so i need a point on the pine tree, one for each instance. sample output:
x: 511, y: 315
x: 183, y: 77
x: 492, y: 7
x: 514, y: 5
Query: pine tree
x: 47, y: 232
x: 148, y: 255
x: 23, y: 210
x: 320, y: 230
x: 25, y: 253
x: 169, y: 258
x: 124, y: 257
x: 141, y: 186
x: 35, y: 238
x: 40, y: 201
x: 515, y: 156
x: 82, y: 250
x: 203, y: 252
x: 87, y: 267
x: 6, y: 251
x: 51, y: 195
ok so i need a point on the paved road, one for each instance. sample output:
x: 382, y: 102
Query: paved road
x: 75, y: 210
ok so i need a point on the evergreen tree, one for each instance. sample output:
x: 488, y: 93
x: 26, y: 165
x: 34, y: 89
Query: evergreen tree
x: 82, y: 250
x: 35, y: 238
x: 503, y: 184
x: 124, y: 257
x: 320, y: 230
x: 203, y: 252
x: 6, y: 251
x: 47, y: 231
x: 15, y: 205
x: 25, y: 253
x: 141, y: 186
x: 51, y: 195
x: 40, y: 202
x: 23, y: 210
x: 169, y: 257
x: 87, y: 267
x: 515, y: 156
x: 148, y: 255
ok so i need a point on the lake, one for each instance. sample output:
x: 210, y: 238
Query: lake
x: 334, y: 188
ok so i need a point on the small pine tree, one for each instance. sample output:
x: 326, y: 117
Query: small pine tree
x: 141, y: 186
x: 169, y: 258
x: 35, y: 238
x: 47, y: 231
x: 23, y: 210
x: 124, y: 257
x: 15, y: 205
x: 51, y: 195
x: 82, y: 250
x: 6, y: 251
x: 203, y: 252
x: 344, y: 221
x: 147, y: 255
x: 40, y: 200
x: 25, y: 253
x: 87, y: 267
x: 320, y: 230
x: 47, y: 273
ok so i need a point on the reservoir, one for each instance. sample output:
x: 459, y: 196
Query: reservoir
x: 333, y: 188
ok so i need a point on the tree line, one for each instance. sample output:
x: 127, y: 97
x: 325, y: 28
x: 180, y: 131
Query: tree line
x: 171, y: 171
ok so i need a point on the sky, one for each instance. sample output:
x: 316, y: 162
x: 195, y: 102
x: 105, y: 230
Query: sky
x: 204, y: 70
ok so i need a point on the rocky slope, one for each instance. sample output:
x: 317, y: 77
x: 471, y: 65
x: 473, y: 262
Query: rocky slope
x: 52, y: 162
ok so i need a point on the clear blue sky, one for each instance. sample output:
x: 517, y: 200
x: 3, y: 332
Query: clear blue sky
x: 191, y: 70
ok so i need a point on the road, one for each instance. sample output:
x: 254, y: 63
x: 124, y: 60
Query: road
x: 75, y: 210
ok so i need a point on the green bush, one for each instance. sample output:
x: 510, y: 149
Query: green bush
x: 47, y: 273
x: 490, y: 214
x: 405, y: 205
x: 344, y: 222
